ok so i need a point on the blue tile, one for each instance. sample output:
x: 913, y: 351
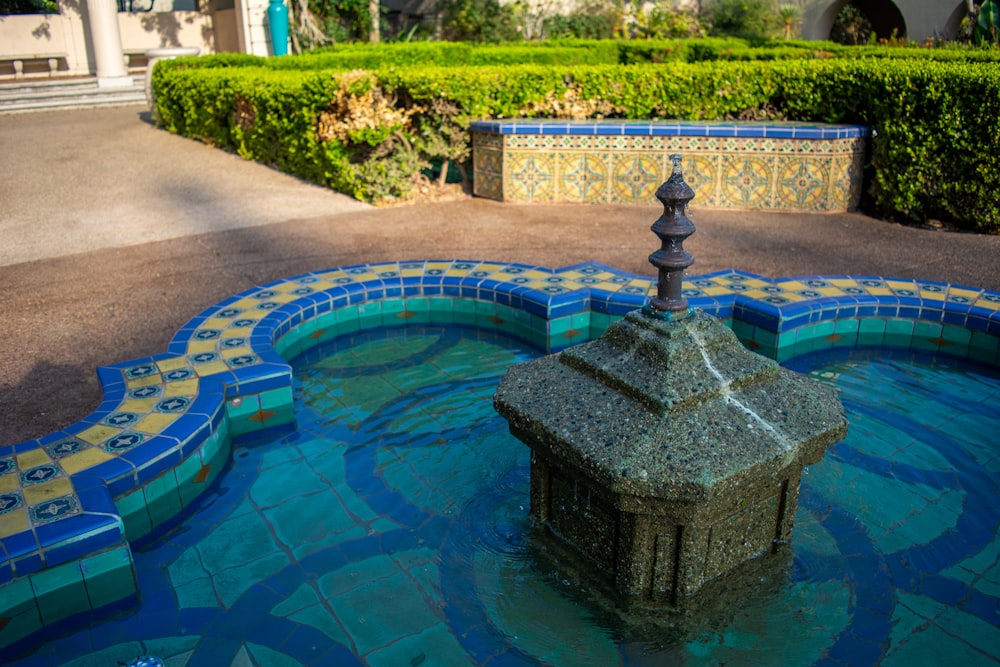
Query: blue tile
x: 27, y: 564
x: 19, y: 544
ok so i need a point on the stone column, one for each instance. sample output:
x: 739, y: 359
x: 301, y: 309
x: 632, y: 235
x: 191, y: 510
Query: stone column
x: 107, y: 41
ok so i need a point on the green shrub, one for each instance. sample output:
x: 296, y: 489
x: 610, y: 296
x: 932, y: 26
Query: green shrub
x: 372, y: 134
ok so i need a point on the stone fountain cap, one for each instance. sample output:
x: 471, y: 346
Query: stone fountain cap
x: 668, y: 403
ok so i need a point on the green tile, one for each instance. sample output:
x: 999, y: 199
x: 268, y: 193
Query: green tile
x: 407, y: 614
x: 873, y: 338
x: 18, y: 596
x: 898, y: 333
x: 559, y: 326
x: 844, y: 327
x: 134, y: 514
x: 241, y: 408
x: 926, y: 329
x: 18, y: 605
x: 109, y: 577
x: 956, y: 334
x: 434, y: 646
x: 743, y: 330
x: 766, y: 339
x: 441, y: 308
x: 273, y: 399
x: 162, y: 498
x: 60, y: 592
x: 871, y: 325
x: 390, y: 307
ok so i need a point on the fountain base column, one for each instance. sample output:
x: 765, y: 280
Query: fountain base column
x: 665, y: 453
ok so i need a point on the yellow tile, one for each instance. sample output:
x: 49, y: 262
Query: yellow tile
x: 35, y: 457
x: 967, y: 293
x: 204, y: 370
x: 754, y: 282
x: 100, y: 433
x: 182, y: 388
x: 844, y: 282
x: 238, y: 331
x: 15, y: 521
x: 155, y: 422
x: 244, y: 304
x: 437, y: 266
x: 9, y: 483
x: 281, y: 298
x: 139, y: 404
x: 172, y: 364
x: 716, y: 291
x: 231, y: 352
x: 793, y: 297
x: 879, y: 291
x: 135, y: 383
x: 88, y: 458
x: 932, y: 296
x: 757, y: 294
x: 216, y: 323
x: 793, y: 285
x: 988, y: 305
x: 39, y: 493
x: 199, y: 346
x: 829, y: 291
x: 900, y: 284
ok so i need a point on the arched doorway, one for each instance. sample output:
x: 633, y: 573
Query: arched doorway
x: 883, y: 16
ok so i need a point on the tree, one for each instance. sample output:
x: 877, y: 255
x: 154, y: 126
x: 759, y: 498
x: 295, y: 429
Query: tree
x: 744, y: 18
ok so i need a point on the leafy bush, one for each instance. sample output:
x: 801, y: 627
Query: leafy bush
x: 372, y: 134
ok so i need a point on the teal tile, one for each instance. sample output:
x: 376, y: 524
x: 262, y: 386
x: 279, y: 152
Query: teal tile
x: 870, y: 325
x: 873, y: 338
x: 743, y: 330
x: 959, y: 335
x: 408, y: 614
x: 109, y: 577
x: 436, y: 645
x: 441, y: 308
x: 18, y: 596
x: 19, y: 607
x: 162, y: 498
x: 926, y: 329
x: 274, y: 399
x: 898, y: 333
x: 60, y: 592
x: 766, y: 339
x: 132, y: 510
x: 391, y: 307
x: 844, y: 327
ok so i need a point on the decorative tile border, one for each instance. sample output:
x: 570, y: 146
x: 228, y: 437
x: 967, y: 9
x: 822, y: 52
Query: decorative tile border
x: 777, y: 166
x: 72, y: 503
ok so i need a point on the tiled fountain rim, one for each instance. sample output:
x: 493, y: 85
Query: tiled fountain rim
x: 231, y: 363
x: 672, y: 128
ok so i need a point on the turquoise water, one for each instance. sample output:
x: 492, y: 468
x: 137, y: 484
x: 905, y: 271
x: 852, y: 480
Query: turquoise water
x: 392, y: 528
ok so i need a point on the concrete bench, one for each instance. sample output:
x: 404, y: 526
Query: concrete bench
x: 758, y: 165
x: 51, y: 60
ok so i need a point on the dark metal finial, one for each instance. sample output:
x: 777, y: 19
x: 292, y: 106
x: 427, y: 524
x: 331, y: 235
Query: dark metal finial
x: 672, y: 227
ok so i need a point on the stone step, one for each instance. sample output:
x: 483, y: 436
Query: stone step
x: 22, y: 96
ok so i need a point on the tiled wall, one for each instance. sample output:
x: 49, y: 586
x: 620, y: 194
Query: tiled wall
x: 72, y: 503
x: 776, y: 166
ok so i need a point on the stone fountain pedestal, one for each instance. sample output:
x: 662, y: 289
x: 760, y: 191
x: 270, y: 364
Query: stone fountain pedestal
x: 666, y: 453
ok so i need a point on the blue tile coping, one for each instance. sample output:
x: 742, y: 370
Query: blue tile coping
x: 671, y: 128
x: 74, y: 503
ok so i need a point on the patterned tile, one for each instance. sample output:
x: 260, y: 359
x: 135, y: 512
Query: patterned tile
x: 222, y: 376
x: 746, y: 168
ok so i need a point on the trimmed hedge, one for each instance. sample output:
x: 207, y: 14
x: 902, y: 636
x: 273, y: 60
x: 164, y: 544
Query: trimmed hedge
x: 370, y: 134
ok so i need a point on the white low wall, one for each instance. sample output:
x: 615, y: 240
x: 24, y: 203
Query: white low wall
x: 65, y: 34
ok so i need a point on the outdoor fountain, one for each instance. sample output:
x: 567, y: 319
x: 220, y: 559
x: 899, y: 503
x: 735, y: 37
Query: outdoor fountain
x: 313, y: 473
x: 665, y: 452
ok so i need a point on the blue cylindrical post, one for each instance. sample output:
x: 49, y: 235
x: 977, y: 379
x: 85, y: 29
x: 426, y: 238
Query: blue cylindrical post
x: 277, y: 21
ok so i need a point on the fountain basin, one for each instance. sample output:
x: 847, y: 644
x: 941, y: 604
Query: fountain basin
x: 229, y: 363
